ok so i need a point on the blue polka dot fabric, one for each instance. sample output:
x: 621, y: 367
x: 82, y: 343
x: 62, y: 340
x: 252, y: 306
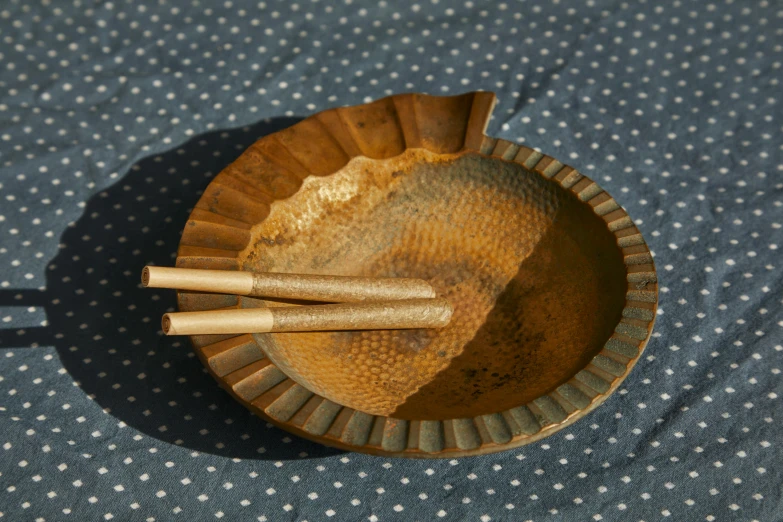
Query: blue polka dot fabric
x: 114, y: 116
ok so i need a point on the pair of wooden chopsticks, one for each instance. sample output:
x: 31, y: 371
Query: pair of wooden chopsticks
x: 365, y: 303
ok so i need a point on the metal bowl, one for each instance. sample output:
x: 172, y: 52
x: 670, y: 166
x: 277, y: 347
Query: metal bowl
x: 554, y: 288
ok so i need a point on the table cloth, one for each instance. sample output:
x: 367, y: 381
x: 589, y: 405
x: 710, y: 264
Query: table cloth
x: 114, y: 116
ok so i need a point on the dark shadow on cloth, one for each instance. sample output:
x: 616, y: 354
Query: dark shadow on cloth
x: 105, y: 326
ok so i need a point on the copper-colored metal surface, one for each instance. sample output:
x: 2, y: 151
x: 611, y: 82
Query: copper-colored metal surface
x: 384, y: 315
x: 308, y: 287
x: 553, y: 288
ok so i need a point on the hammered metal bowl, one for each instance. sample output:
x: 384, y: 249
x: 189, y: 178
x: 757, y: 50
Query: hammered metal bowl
x: 554, y: 288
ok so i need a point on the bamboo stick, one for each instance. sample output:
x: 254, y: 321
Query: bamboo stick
x: 337, y: 289
x: 387, y: 315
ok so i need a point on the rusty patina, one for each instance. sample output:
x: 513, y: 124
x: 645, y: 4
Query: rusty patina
x: 553, y: 287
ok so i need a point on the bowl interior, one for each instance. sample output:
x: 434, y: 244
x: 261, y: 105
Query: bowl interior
x: 535, y: 277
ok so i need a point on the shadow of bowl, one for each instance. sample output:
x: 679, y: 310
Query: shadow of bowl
x: 105, y: 326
